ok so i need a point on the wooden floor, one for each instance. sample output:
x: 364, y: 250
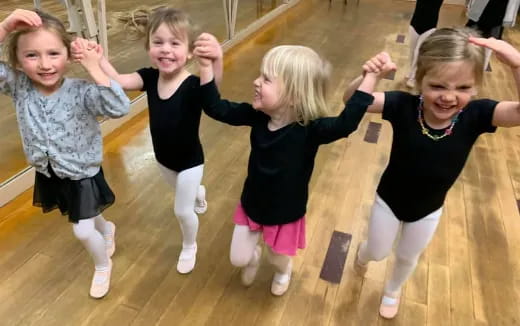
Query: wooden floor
x: 470, y: 274
x: 126, y: 56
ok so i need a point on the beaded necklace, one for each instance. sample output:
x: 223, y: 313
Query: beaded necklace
x: 425, y: 130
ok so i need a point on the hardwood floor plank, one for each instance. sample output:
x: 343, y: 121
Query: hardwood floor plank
x: 438, y: 295
x: 415, y: 314
x: 322, y: 303
x: 461, y: 295
x: 302, y: 285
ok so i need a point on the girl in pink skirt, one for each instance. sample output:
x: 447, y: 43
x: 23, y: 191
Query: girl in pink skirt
x: 287, y: 127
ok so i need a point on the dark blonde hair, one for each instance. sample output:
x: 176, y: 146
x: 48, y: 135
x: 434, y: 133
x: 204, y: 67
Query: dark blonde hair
x: 144, y: 21
x: 304, y: 77
x: 49, y: 23
x: 447, y: 45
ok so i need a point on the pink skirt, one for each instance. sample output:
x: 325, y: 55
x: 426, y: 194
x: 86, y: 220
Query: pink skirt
x: 283, y: 239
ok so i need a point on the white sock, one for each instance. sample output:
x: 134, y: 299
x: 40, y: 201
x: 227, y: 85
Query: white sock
x: 388, y: 301
x: 282, y: 278
x: 188, y: 252
x: 101, y: 274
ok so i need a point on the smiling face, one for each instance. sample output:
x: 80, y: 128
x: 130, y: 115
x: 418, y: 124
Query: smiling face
x: 446, y: 90
x: 168, y: 52
x: 43, y: 57
x: 268, y: 92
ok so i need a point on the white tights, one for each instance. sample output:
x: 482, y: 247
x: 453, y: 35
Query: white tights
x: 382, y: 233
x: 242, y: 251
x: 90, y: 232
x: 187, y: 189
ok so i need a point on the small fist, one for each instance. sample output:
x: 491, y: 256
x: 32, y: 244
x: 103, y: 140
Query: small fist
x: 380, y: 64
x: 208, y: 47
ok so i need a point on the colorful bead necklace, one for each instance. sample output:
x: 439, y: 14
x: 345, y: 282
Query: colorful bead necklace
x: 425, y: 130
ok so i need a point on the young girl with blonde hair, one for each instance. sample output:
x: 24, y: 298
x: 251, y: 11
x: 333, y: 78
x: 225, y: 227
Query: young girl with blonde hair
x: 174, y: 108
x: 287, y: 128
x: 61, y: 137
x: 433, y: 134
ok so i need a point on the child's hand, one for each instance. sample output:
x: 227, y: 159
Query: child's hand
x: 504, y: 51
x: 207, y: 49
x: 87, y: 53
x: 20, y: 17
x: 204, y: 62
x: 380, y: 65
x: 77, y: 48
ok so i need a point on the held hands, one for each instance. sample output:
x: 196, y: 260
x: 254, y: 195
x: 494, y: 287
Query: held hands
x: 379, y: 65
x: 504, y: 51
x: 87, y: 53
x: 207, y: 49
x: 18, y: 18
x: 373, y: 70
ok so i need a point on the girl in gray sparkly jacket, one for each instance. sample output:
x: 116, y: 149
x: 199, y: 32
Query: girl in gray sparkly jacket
x: 61, y: 137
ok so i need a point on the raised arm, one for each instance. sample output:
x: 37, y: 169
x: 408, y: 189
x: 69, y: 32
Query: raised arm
x: 507, y: 113
x: 326, y: 130
x: 18, y: 18
x: 206, y: 69
x: 379, y: 65
x: 106, y: 101
x: 208, y: 47
x: 106, y: 98
x: 130, y: 82
x: 91, y: 62
x: 358, y: 99
x: 235, y: 114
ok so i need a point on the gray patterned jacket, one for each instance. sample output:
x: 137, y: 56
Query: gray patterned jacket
x: 62, y: 129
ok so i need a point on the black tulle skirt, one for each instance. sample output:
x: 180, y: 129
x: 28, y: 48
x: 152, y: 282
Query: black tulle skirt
x: 79, y: 199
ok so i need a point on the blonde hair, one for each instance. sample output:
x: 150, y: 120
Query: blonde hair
x: 144, y: 21
x: 304, y: 77
x: 447, y: 45
x: 49, y: 23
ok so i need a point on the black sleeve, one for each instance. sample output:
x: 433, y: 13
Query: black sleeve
x: 396, y: 105
x: 147, y: 75
x: 236, y: 114
x: 326, y: 130
x: 481, y: 113
x: 195, y: 97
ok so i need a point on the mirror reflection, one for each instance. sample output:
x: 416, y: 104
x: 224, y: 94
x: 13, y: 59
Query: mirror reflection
x: 249, y: 11
x: 125, y: 55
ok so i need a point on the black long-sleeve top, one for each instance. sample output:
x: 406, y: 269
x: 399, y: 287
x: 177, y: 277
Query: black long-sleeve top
x: 174, y: 122
x: 281, y: 162
x: 421, y: 171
